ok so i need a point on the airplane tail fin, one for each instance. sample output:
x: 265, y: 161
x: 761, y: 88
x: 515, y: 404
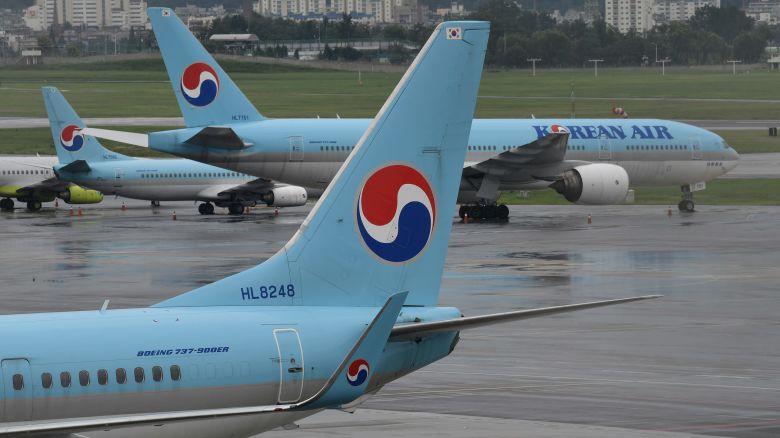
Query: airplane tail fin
x: 206, y: 94
x: 66, y: 126
x: 383, y: 224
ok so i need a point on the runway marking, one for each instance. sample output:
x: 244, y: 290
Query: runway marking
x: 596, y: 379
x: 459, y: 390
x: 702, y: 427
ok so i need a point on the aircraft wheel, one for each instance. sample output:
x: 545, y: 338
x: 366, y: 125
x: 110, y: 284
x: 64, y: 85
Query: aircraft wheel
x: 202, y: 209
x: 489, y: 211
x: 236, y: 209
x: 475, y: 212
x: 209, y: 208
x: 155, y: 204
x: 34, y: 205
x: 6, y: 204
x: 686, y: 205
x: 462, y: 211
x: 502, y: 211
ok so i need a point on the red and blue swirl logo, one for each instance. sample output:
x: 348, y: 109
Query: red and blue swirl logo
x: 396, y: 212
x: 199, y: 84
x: 71, y: 138
x: 357, y: 373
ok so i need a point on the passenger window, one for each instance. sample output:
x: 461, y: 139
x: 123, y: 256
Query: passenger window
x: 139, y: 375
x: 65, y: 379
x: 121, y: 376
x: 83, y: 378
x: 157, y: 373
x: 18, y: 382
x: 102, y: 377
x: 46, y: 380
x: 175, y: 373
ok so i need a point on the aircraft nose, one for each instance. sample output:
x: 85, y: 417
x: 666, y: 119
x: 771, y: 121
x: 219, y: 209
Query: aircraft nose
x: 732, y: 160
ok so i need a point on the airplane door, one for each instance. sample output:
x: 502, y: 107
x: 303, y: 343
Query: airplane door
x: 296, y: 148
x: 605, y: 151
x: 119, y: 176
x: 17, y: 390
x: 696, y: 148
x: 291, y: 371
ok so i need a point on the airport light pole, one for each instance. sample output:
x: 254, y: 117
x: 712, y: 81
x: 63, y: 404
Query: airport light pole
x: 663, y: 65
x: 533, y: 65
x: 734, y: 66
x: 596, y: 66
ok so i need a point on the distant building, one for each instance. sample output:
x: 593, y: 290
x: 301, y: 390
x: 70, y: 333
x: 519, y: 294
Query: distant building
x: 764, y: 11
x: 643, y: 15
x: 86, y: 13
x: 371, y: 11
x: 667, y: 11
x: 626, y: 15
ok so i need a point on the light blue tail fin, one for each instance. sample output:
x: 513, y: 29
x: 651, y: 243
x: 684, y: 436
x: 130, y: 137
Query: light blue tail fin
x: 206, y: 94
x: 70, y: 143
x: 383, y: 224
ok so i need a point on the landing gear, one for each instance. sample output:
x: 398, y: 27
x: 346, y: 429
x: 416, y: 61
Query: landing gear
x: 6, y: 204
x: 490, y: 211
x: 686, y: 204
x: 34, y: 205
x: 206, y: 208
x: 155, y: 204
x: 235, y: 209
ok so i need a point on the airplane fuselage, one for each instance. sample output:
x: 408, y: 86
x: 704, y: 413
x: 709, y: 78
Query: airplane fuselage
x: 158, y: 179
x: 119, y: 362
x: 309, y: 152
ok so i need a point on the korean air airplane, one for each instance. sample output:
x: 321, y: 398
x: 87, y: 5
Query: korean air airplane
x: 589, y: 161
x: 302, y: 331
x: 85, y: 161
x: 32, y: 180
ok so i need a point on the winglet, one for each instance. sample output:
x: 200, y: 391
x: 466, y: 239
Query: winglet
x: 352, y: 378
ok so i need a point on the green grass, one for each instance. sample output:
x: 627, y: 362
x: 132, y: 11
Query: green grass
x: 718, y: 192
x: 751, y: 141
x: 141, y: 88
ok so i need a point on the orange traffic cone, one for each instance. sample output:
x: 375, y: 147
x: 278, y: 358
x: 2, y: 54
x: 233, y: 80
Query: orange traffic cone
x: 174, y: 215
x: 80, y: 211
x: 590, y: 219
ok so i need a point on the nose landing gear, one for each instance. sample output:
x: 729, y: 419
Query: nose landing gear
x: 206, y: 208
x: 686, y: 204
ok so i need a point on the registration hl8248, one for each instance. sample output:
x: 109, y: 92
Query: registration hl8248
x: 268, y: 292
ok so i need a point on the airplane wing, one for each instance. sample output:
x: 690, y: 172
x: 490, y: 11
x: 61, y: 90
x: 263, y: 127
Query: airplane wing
x: 48, y: 185
x: 547, y: 150
x: 416, y: 330
x: 375, y: 337
x: 254, y: 188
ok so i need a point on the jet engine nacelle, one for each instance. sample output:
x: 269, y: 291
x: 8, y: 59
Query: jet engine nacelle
x: 287, y: 196
x: 593, y: 184
x: 80, y: 195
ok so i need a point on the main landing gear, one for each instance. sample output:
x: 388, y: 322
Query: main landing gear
x: 155, y: 204
x: 236, y: 209
x: 7, y: 204
x: 686, y: 204
x: 484, y: 211
x: 34, y: 205
x: 206, y: 208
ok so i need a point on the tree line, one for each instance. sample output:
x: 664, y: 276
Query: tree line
x: 711, y: 36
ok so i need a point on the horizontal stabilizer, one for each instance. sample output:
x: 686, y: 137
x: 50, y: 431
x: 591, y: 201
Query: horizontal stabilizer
x: 132, y: 138
x: 407, y: 331
x: 76, y: 166
x: 217, y: 137
x: 369, y: 347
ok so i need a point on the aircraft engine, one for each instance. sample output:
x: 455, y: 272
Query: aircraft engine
x: 79, y: 195
x: 593, y: 184
x: 287, y: 196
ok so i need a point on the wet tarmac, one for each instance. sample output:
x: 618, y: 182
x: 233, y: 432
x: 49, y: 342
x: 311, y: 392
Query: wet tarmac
x: 705, y: 359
